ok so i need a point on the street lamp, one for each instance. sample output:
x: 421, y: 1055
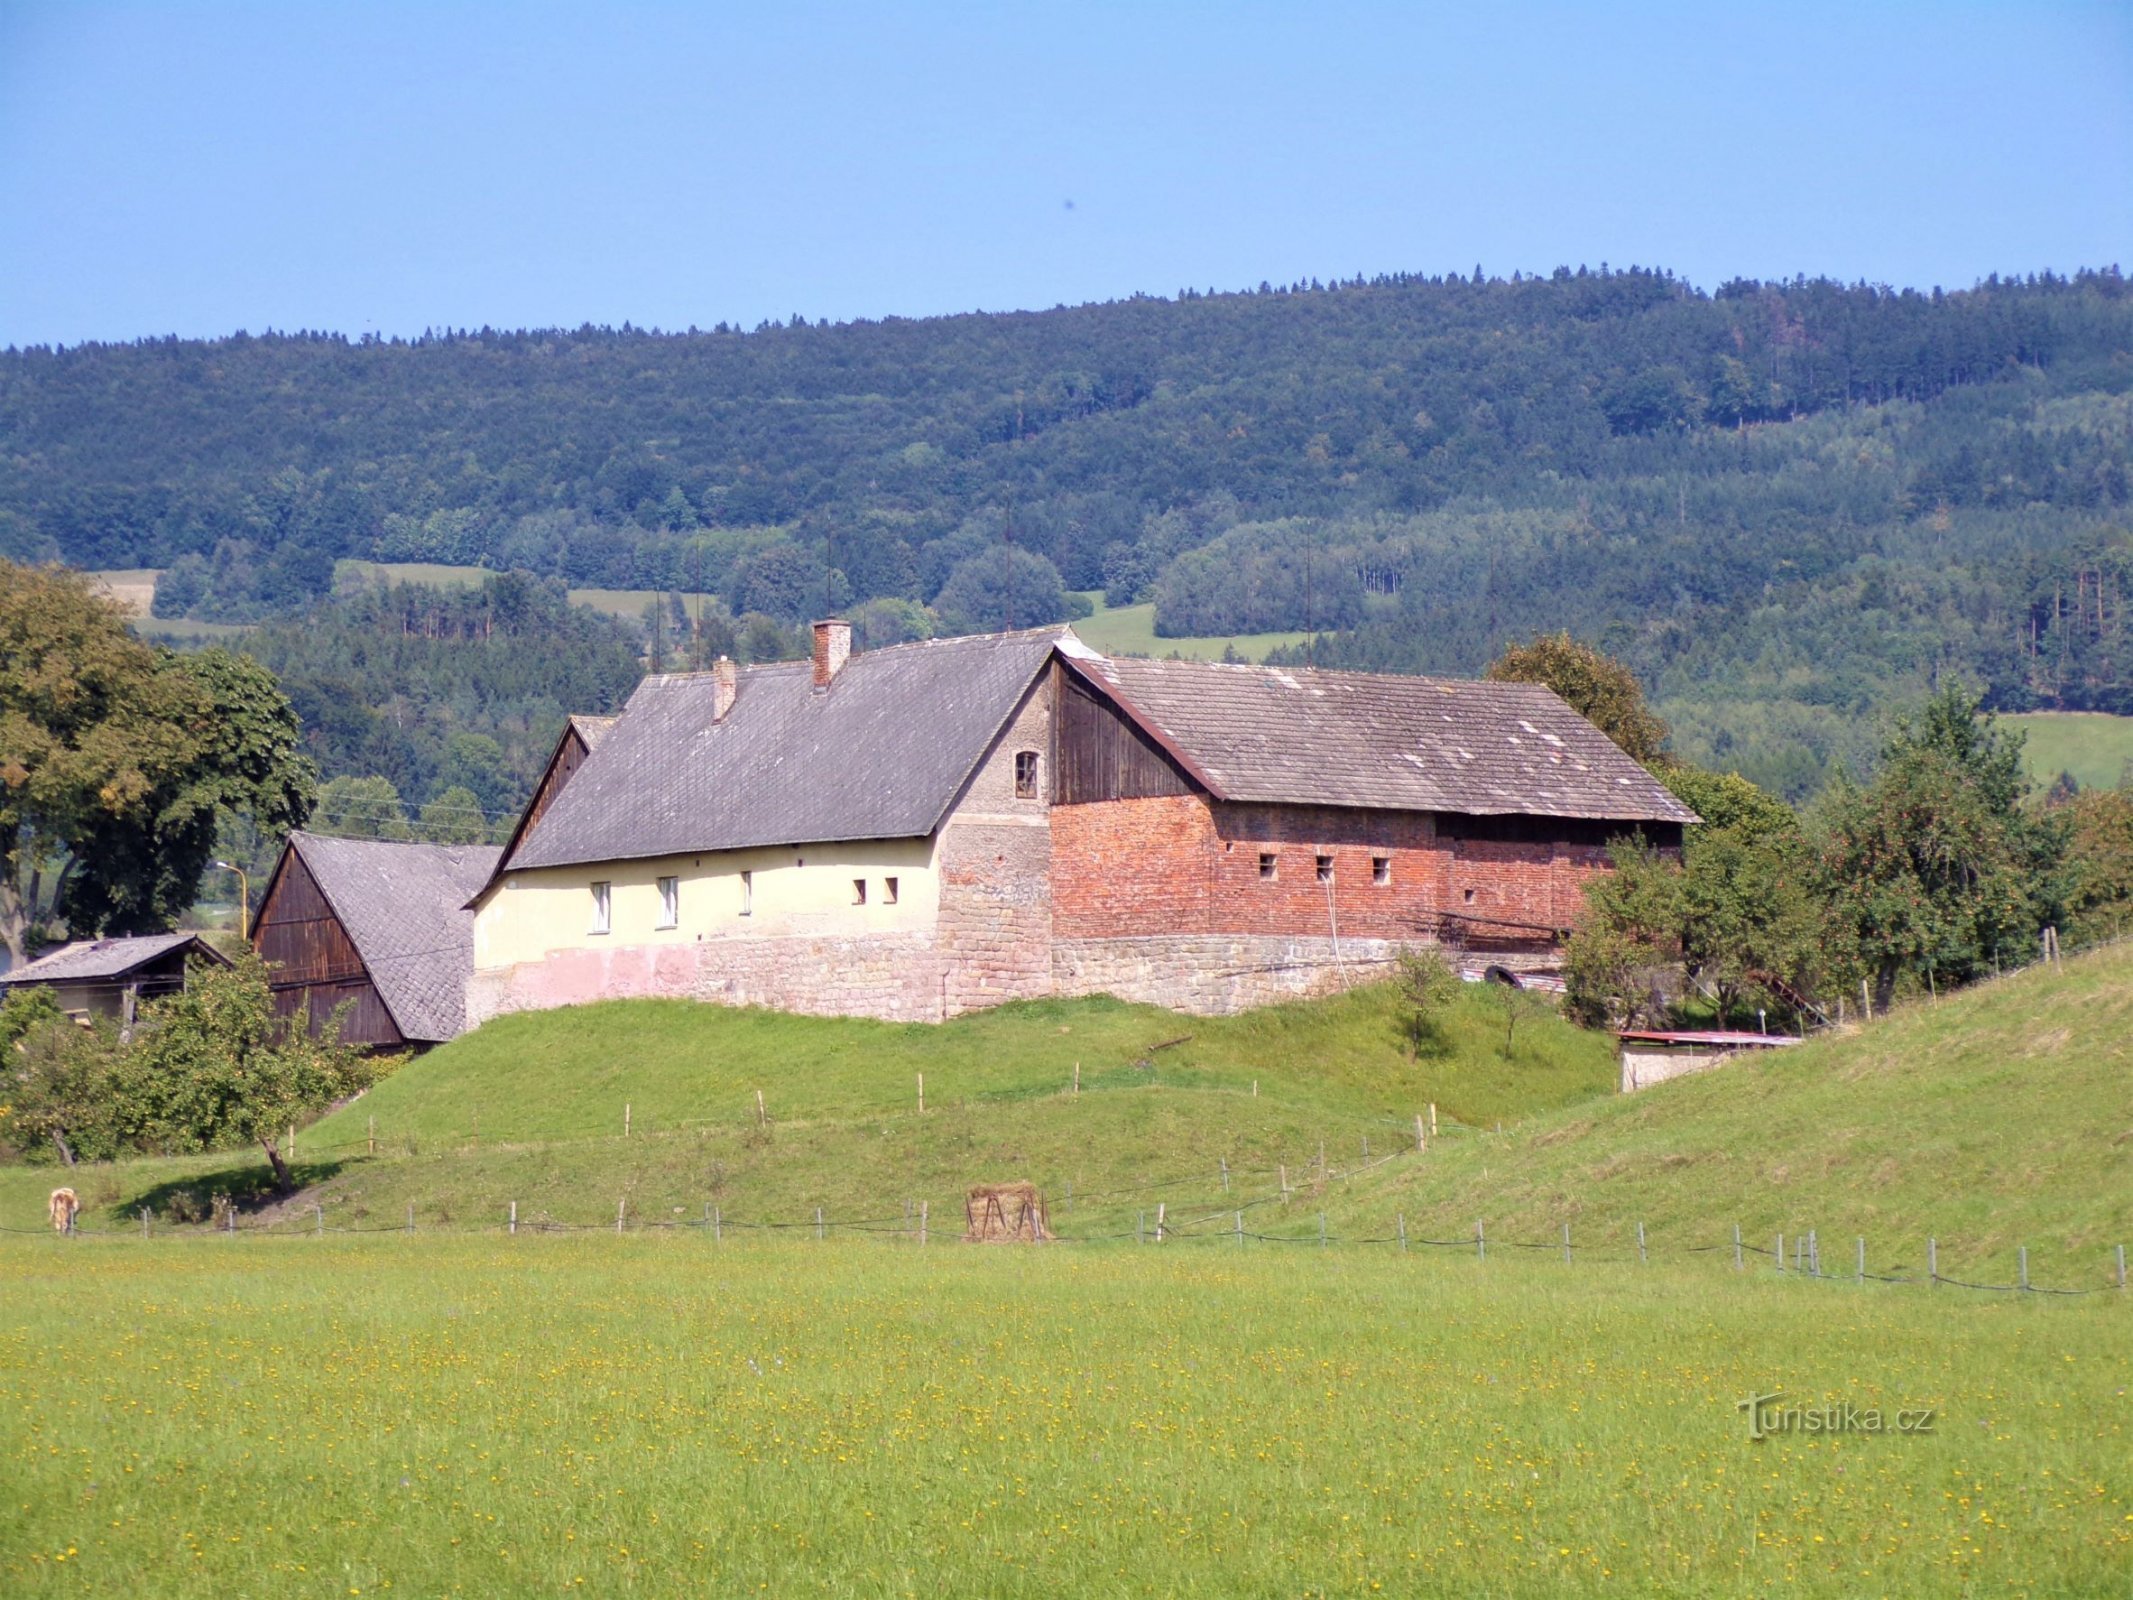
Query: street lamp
x: 244, y: 899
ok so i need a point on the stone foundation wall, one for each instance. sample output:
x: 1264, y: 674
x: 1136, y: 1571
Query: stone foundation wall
x: 893, y: 976
x: 1215, y: 974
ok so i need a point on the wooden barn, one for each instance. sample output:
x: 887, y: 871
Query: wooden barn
x: 377, y: 926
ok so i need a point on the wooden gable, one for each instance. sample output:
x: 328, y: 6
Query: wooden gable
x: 312, y: 964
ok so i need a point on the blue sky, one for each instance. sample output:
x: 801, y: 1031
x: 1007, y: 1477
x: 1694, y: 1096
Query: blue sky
x: 194, y: 169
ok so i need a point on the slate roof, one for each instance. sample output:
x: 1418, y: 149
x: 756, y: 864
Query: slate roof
x: 591, y: 729
x: 90, y: 959
x: 881, y: 754
x: 1306, y: 737
x: 402, y: 905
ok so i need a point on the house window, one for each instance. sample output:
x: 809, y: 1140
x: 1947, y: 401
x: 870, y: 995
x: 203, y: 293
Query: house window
x: 1266, y: 865
x: 859, y: 891
x: 747, y: 894
x: 888, y: 891
x: 1381, y: 870
x: 603, y: 900
x: 669, y: 902
x: 1025, y: 774
x: 1325, y: 869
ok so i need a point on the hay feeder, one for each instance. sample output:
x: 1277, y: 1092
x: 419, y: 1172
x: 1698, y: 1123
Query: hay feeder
x: 1005, y: 1213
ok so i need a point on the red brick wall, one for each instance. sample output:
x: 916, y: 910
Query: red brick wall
x: 1124, y: 868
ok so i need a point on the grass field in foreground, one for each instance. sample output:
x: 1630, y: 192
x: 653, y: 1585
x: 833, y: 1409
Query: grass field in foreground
x: 2095, y: 747
x: 666, y: 1416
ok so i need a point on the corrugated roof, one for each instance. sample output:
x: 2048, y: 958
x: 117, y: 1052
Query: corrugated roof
x: 1306, y: 737
x: 880, y: 754
x: 403, y: 906
x: 102, y: 958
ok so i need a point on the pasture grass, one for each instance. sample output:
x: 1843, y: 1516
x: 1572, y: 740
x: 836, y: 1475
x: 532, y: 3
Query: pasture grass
x: 662, y: 1415
x: 1130, y: 631
x: 2096, y: 747
x: 1998, y: 1117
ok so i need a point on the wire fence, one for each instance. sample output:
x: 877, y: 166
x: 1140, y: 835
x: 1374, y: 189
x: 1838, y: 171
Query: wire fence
x: 1209, y: 1224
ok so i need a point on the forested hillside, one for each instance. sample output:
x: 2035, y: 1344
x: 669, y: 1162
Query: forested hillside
x: 1783, y: 502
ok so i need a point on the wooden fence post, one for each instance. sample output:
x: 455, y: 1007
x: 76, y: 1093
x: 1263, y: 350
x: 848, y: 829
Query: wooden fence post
x: 318, y: 1213
x: 1403, y: 1233
x: 1160, y: 1208
x: 818, y: 1224
x: 762, y: 1118
x: 1433, y: 1116
x: 718, y: 1225
x: 2121, y: 1266
x: 1321, y: 1227
x: 411, y: 1216
x: 921, y: 1094
x: 1736, y: 1247
x: 1283, y: 1169
x: 620, y: 1206
x: 1781, y: 1253
x: 1481, y: 1243
x: 625, y: 1119
x: 1860, y: 1275
x: 1566, y: 1244
x: 144, y: 1222
x: 1225, y: 1174
x: 1240, y: 1231
x: 922, y: 1222
x: 1642, y: 1258
x: 373, y: 1134
x: 514, y: 1217
x: 1421, y: 1143
x: 1140, y: 1227
x: 2022, y: 1256
x: 1933, y: 1262
x: 1077, y: 1077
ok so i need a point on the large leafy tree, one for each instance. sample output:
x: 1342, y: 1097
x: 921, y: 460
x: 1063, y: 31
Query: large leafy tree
x: 118, y: 760
x: 215, y: 1067
x: 1599, y: 688
x: 1736, y: 914
x: 1936, y: 871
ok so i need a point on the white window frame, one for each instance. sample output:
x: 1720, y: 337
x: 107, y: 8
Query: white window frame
x: 603, y: 917
x: 670, y: 902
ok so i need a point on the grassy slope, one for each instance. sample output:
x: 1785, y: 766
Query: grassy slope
x: 2095, y: 747
x: 530, y: 1108
x: 1130, y: 630
x: 2000, y: 1116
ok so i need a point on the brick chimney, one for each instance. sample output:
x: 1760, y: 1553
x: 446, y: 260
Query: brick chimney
x: 726, y: 684
x: 833, y: 648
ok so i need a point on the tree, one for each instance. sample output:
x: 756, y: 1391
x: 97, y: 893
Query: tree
x: 1935, y: 872
x: 213, y: 1066
x: 1597, y: 687
x: 1426, y: 985
x: 454, y: 817
x: 65, y: 1087
x: 116, y: 761
x: 2100, y: 864
x: 1004, y: 587
x: 363, y: 808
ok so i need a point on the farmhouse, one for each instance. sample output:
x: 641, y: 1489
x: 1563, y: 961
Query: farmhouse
x: 378, y: 926
x: 96, y: 979
x: 921, y: 830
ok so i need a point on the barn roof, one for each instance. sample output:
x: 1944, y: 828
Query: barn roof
x: 91, y: 959
x: 401, y: 906
x: 591, y: 729
x: 1305, y: 737
x: 881, y: 754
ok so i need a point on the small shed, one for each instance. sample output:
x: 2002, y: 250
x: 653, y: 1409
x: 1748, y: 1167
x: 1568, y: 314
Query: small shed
x: 1648, y: 1057
x: 109, y: 978
x: 377, y: 925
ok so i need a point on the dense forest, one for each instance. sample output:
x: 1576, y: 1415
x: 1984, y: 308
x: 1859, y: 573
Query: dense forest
x: 1785, y: 503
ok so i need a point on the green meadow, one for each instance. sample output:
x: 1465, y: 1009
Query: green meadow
x: 2094, y: 746
x: 1130, y: 631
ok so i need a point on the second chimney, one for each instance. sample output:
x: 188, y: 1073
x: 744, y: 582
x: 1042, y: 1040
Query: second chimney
x: 833, y: 648
x: 725, y: 686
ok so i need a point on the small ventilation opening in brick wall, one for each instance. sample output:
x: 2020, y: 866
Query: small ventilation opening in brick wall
x: 1381, y: 869
x: 1325, y: 869
x: 1467, y: 895
x: 1266, y: 865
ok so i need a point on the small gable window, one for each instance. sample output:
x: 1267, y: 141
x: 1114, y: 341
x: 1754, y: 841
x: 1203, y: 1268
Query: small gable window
x: 603, y: 903
x: 670, y: 902
x: 1025, y: 774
